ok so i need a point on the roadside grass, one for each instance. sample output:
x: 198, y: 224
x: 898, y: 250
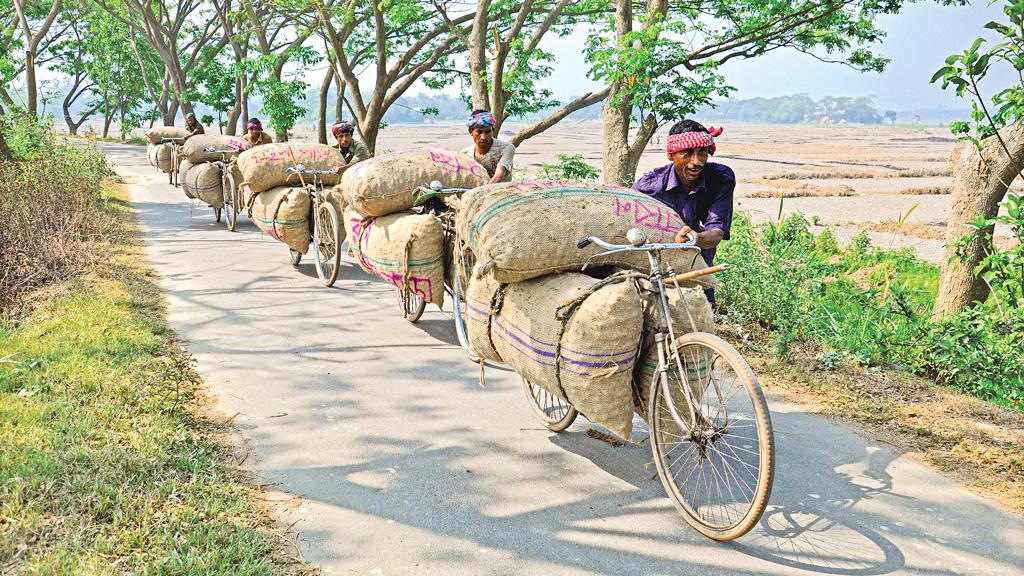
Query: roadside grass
x: 112, y: 463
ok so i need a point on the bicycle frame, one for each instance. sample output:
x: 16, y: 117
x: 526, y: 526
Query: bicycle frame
x: 665, y: 329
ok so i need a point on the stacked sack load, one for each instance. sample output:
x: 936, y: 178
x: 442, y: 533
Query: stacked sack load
x: 199, y: 177
x: 389, y: 240
x: 159, y: 156
x: 583, y: 337
x: 278, y: 205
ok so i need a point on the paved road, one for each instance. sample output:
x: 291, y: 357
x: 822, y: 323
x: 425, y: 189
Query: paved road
x: 405, y: 465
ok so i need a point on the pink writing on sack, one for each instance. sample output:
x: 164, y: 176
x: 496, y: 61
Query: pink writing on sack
x: 422, y: 287
x: 651, y: 215
x: 313, y: 154
x: 455, y: 165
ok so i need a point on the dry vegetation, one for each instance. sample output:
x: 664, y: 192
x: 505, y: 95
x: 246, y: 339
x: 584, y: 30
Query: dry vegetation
x: 791, y: 189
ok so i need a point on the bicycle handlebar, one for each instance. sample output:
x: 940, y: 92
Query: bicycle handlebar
x: 171, y: 140
x: 212, y: 150
x: 304, y: 170
x: 642, y: 247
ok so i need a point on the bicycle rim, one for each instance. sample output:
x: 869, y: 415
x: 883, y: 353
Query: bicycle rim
x: 555, y: 413
x: 719, y: 471
x: 230, y: 203
x: 326, y: 243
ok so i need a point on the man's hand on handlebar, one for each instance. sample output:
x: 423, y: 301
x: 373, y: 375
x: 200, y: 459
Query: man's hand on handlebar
x: 707, y: 239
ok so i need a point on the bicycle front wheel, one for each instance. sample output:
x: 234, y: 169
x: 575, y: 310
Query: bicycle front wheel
x: 230, y: 192
x: 327, y: 243
x: 718, y: 467
x: 553, y: 412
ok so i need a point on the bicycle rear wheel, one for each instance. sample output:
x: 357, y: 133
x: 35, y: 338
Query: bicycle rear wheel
x: 718, y: 471
x: 327, y: 243
x: 230, y: 192
x: 553, y: 412
x: 460, y: 308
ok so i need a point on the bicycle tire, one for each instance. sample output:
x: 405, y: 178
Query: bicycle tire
x: 412, y: 304
x: 711, y: 440
x: 553, y: 412
x: 327, y: 243
x: 230, y: 194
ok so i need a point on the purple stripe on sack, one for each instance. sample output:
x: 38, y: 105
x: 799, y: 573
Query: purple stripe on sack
x: 538, y: 351
x: 506, y: 325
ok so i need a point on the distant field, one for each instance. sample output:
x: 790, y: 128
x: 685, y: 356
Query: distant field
x: 849, y: 177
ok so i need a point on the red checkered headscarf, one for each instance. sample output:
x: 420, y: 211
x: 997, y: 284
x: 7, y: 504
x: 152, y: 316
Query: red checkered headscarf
x: 687, y: 140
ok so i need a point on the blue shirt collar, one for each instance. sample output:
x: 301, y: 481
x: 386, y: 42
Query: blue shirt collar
x: 674, y: 182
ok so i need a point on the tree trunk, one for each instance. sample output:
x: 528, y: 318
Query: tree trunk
x: 5, y: 151
x: 30, y: 83
x: 980, y: 182
x: 236, y: 110
x: 339, y: 102
x: 245, y: 102
x: 478, y: 57
x: 321, y: 117
x: 108, y: 117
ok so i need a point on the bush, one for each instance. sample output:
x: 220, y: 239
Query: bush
x: 569, y: 167
x: 48, y: 199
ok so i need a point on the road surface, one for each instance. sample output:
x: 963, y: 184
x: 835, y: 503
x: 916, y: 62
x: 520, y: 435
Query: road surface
x: 404, y: 464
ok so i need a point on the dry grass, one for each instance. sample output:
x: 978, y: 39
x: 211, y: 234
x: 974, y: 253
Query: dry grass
x: 922, y: 191
x: 858, y: 174
x: 790, y: 189
x: 914, y: 229
x: 977, y: 443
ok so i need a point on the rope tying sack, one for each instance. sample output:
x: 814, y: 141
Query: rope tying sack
x: 565, y: 312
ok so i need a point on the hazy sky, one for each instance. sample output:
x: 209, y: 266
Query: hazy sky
x: 918, y: 41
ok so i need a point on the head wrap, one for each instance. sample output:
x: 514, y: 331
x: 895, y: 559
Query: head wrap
x: 482, y: 119
x: 688, y: 140
x: 254, y: 123
x: 341, y: 128
x: 190, y: 115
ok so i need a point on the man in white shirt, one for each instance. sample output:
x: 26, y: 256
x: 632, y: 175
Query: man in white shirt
x: 494, y: 155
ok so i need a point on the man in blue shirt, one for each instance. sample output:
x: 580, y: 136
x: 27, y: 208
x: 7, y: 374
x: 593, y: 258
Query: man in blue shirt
x: 700, y: 191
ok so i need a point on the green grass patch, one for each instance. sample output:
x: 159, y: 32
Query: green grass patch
x: 866, y: 305
x: 109, y: 464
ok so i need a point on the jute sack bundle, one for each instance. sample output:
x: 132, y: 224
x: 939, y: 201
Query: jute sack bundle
x: 156, y: 134
x: 193, y: 148
x: 405, y: 249
x: 573, y: 335
x: 692, y: 313
x: 160, y: 156
x: 283, y: 213
x: 386, y: 184
x: 263, y: 166
x: 523, y: 230
x: 204, y: 182
x: 183, y: 167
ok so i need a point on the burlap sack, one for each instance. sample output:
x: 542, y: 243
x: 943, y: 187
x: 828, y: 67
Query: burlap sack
x: 203, y: 180
x: 283, y: 213
x: 160, y: 157
x: 524, y: 230
x: 690, y: 314
x: 193, y: 148
x: 573, y: 335
x: 386, y: 184
x: 263, y: 166
x: 183, y: 168
x: 156, y: 134
x: 405, y: 249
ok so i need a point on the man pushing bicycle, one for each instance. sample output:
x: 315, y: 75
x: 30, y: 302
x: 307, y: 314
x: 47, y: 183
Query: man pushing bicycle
x: 700, y: 191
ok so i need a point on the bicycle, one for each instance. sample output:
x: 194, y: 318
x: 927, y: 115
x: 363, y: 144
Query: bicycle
x: 714, y: 453
x: 326, y: 232
x: 174, y: 145
x: 457, y: 262
x: 229, y: 187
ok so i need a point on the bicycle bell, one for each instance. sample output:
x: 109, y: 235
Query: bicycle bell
x: 300, y: 167
x: 636, y: 237
x: 436, y: 185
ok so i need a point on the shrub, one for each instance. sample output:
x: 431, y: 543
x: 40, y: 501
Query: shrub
x: 569, y: 167
x: 48, y: 199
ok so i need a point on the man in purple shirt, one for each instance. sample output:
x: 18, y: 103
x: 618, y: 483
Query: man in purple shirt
x: 700, y: 191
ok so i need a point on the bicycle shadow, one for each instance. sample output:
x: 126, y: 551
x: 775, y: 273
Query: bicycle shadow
x: 811, y: 521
